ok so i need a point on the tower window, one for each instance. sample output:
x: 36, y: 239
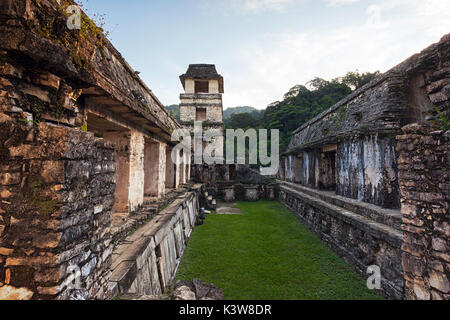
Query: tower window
x: 200, y: 115
x: 201, y: 87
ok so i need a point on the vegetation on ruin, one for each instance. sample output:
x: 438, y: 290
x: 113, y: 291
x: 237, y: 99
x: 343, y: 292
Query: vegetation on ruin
x: 81, y: 41
x: 443, y: 123
x: 302, y: 103
x: 45, y: 207
x: 299, y: 105
x: 266, y: 253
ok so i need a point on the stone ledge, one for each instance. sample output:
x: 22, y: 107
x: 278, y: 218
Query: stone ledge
x: 389, y: 217
x: 357, y: 220
x: 360, y: 241
x: 137, y: 258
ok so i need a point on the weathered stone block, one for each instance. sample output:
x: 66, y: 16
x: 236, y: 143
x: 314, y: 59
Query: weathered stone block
x: 48, y: 80
x: 7, y: 178
x: 439, y: 281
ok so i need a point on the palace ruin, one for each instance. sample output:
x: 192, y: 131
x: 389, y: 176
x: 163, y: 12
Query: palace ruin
x: 90, y: 193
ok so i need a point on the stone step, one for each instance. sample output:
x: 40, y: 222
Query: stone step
x: 389, y: 217
x: 381, y: 230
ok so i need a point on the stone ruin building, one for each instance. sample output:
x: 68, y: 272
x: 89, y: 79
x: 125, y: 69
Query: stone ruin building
x: 370, y: 176
x: 94, y: 205
x: 202, y: 102
x: 85, y: 156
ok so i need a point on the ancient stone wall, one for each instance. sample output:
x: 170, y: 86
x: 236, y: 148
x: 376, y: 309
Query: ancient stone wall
x: 424, y: 177
x: 74, y: 120
x: 57, y: 190
x: 370, y: 167
x: 367, y: 170
x: 362, y: 234
x: 363, y: 126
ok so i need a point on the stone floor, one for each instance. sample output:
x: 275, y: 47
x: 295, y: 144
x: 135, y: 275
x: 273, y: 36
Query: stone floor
x: 227, y: 208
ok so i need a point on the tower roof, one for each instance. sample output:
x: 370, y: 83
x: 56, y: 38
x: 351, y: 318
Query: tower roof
x: 202, y: 72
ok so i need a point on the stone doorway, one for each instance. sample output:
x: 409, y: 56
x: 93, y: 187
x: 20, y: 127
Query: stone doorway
x: 120, y: 137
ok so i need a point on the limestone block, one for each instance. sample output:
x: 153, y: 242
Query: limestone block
x: 251, y: 193
x: 11, y: 293
x: 184, y: 293
x: 6, y: 251
x: 439, y: 281
x: 48, y: 80
x: 229, y: 194
x: 156, y: 286
x: 10, y: 70
x: 7, y: 179
x: 37, y: 92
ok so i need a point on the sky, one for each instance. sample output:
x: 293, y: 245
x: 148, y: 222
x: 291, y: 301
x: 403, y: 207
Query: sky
x: 263, y: 48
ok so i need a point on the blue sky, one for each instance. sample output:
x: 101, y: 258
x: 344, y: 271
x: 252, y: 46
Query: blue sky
x: 265, y: 47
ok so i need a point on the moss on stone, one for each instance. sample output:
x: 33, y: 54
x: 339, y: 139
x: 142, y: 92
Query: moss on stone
x: 46, y: 207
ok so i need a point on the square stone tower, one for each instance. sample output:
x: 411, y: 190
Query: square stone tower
x: 202, y: 101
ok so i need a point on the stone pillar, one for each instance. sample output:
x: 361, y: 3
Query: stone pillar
x: 187, y: 161
x: 271, y: 192
x: 183, y: 168
x: 229, y: 193
x: 136, y: 184
x: 162, y: 170
x: 155, y: 169
x: 424, y: 175
x: 178, y: 169
x: 121, y: 141
x: 251, y: 192
x: 170, y: 170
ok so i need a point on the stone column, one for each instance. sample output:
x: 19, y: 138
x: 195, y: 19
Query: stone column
x: 187, y: 161
x: 121, y: 141
x: 136, y: 183
x: 229, y: 193
x: 183, y: 169
x: 170, y: 170
x: 162, y: 170
x: 178, y: 168
x: 251, y: 192
x: 155, y: 169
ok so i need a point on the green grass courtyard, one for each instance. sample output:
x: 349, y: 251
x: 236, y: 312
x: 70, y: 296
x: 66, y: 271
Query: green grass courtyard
x: 265, y: 253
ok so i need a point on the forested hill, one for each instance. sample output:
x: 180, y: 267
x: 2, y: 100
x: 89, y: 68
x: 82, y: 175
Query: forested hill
x: 301, y: 104
x: 174, y: 110
x: 228, y: 113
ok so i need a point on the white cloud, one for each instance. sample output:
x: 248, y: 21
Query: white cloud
x: 257, y: 6
x: 254, y: 6
x: 394, y: 30
x: 335, y: 3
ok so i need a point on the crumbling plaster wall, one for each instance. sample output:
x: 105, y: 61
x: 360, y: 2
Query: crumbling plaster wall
x: 214, y: 113
x: 367, y: 170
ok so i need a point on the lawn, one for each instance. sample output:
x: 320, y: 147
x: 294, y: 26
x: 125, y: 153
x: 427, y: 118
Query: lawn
x: 266, y: 254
